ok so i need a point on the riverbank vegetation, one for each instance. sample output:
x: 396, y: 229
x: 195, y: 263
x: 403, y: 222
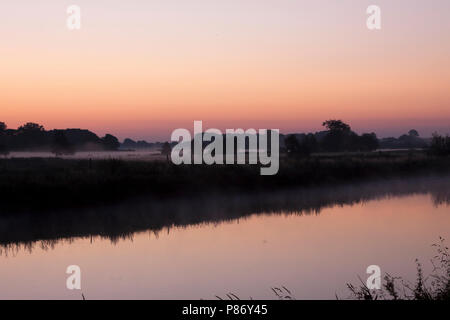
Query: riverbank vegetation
x: 122, y: 220
x: 39, y: 183
x: 435, y: 286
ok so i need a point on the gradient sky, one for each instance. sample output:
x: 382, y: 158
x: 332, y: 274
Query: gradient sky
x: 142, y: 68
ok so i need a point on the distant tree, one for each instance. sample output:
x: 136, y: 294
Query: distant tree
x: 31, y: 127
x: 129, y: 143
x: 302, y: 148
x: 166, y: 150
x: 3, y: 127
x: 60, y: 145
x: 339, y: 136
x: 143, y: 144
x: 369, y: 142
x: 336, y: 126
x: 411, y: 140
x: 110, y: 142
x: 83, y: 139
x: 31, y: 136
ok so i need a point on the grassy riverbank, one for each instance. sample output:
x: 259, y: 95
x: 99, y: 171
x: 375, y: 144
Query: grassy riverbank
x: 41, y: 183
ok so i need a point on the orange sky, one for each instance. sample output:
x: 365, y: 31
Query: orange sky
x: 143, y: 68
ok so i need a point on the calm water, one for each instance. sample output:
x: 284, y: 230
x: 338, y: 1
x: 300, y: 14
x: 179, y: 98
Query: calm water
x: 311, y: 241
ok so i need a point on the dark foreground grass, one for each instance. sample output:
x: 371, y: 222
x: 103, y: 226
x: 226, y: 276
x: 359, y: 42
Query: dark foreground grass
x: 435, y: 286
x: 41, y: 183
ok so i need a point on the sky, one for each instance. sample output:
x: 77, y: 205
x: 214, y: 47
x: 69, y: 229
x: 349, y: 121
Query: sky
x: 142, y: 68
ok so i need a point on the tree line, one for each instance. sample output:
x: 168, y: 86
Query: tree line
x: 33, y: 137
x: 338, y: 137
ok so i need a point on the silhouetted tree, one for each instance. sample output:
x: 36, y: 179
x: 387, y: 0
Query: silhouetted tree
x: 129, y: 143
x: 3, y: 127
x: 110, y: 142
x: 31, y: 136
x: 369, y: 142
x: 411, y: 140
x: 61, y: 146
x: 31, y: 127
x: 336, y: 126
x: 303, y: 148
x: 339, y: 136
x: 166, y: 150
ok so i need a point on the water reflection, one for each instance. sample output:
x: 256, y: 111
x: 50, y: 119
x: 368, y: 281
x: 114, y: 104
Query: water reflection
x: 45, y: 230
